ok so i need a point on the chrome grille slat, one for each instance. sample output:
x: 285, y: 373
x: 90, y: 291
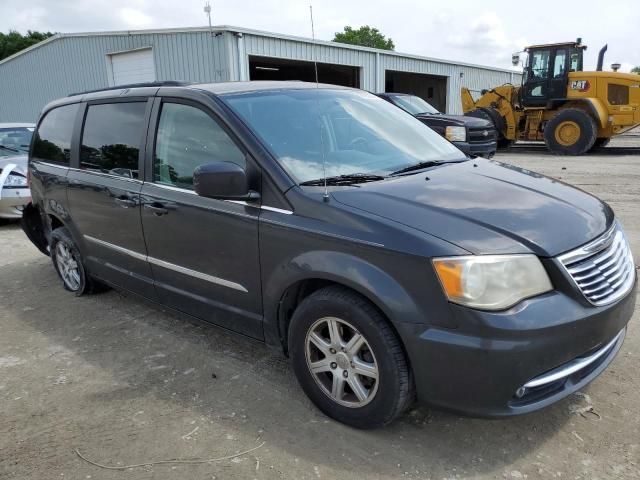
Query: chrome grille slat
x: 603, y: 270
x: 592, y: 273
x: 598, y: 260
x: 591, y: 291
x: 621, y: 280
x: 583, y: 268
x: 612, y: 270
x: 610, y: 259
x: 620, y: 272
x: 610, y: 267
x: 598, y: 279
x: 595, y: 298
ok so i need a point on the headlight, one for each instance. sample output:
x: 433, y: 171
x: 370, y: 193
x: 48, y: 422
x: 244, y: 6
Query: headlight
x: 492, y: 282
x: 456, y: 134
x: 15, y: 180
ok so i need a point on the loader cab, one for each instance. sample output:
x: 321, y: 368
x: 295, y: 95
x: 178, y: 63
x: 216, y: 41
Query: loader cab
x: 547, y: 71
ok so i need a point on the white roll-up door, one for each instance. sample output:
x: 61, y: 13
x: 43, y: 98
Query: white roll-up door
x: 132, y: 67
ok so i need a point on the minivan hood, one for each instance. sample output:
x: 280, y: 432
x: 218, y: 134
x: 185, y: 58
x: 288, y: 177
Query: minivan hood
x: 486, y: 207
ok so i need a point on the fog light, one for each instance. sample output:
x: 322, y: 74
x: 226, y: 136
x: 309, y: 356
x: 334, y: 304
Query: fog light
x: 521, y: 392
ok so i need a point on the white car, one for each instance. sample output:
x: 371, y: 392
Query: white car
x: 14, y: 147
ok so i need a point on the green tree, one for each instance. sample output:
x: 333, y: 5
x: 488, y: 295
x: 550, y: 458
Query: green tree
x: 636, y: 70
x: 14, y: 41
x: 364, y: 36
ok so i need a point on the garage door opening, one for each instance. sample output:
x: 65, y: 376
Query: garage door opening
x: 134, y: 66
x: 432, y: 88
x: 262, y: 68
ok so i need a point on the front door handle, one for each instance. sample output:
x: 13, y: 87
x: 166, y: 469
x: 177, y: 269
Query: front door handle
x: 157, y: 208
x: 126, y: 202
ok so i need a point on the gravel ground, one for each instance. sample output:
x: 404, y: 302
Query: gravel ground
x: 126, y: 383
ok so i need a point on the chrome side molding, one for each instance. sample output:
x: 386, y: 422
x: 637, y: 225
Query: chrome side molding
x: 194, y: 273
x: 237, y: 202
x: 170, y: 266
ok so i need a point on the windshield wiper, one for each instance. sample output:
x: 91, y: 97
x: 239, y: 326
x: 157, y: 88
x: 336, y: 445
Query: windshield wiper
x: 418, y: 166
x: 10, y: 149
x: 348, y: 179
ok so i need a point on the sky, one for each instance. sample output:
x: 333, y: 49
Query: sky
x: 483, y: 32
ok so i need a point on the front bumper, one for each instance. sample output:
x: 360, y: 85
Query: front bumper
x: 481, y: 367
x: 13, y: 201
x: 479, y: 149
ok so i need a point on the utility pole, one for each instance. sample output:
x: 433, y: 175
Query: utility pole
x: 207, y: 10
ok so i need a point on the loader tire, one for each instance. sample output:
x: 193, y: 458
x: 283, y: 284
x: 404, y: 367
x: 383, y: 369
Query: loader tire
x: 504, y: 143
x: 570, y: 132
x: 600, y: 143
x: 492, y: 115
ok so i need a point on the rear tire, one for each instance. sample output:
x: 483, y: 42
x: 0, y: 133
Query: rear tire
x: 69, y: 265
x: 360, y: 375
x: 570, y: 132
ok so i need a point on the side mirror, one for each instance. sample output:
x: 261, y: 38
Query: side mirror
x: 223, y: 180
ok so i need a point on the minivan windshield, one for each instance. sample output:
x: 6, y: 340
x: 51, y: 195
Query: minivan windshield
x: 414, y: 105
x: 318, y: 132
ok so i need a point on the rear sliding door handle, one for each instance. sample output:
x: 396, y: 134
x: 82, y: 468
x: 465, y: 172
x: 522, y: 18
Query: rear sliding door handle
x: 126, y: 202
x: 156, y: 208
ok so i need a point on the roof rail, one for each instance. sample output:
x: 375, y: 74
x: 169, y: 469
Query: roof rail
x: 165, y: 83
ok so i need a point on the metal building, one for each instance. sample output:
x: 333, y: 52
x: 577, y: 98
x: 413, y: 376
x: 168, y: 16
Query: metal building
x: 67, y: 63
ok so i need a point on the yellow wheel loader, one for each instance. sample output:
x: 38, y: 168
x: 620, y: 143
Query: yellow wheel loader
x: 572, y: 111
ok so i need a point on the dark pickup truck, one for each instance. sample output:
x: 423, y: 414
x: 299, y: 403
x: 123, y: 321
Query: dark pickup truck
x: 474, y: 136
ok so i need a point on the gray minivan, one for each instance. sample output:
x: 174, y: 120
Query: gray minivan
x: 330, y: 224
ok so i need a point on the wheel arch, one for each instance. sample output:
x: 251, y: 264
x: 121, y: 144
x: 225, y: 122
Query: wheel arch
x: 35, y: 226
x: 593, y: 106
x: 290, y: 285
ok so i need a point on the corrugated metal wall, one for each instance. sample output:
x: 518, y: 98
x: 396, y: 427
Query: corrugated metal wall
x: 75, y: 63
x: 72, y: 64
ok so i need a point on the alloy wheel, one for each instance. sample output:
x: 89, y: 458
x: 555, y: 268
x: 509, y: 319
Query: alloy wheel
x: 342, y: 362
x: 68, y: 266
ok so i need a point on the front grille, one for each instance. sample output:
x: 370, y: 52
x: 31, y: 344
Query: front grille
x: 603, y: 269
x: 477, y: 135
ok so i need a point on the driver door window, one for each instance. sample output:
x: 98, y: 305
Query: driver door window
x: 188, y: 137
x: 560, y: 64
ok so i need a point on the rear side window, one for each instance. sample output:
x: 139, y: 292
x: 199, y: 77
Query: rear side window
x: 188, y: 137
x: 111, y: 138
x: 52, y: 141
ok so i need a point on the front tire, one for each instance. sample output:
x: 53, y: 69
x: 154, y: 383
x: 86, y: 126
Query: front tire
x: 600, y: 143
x: 504, y: 143
x: 570, y: 132
x: 348, y: 359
